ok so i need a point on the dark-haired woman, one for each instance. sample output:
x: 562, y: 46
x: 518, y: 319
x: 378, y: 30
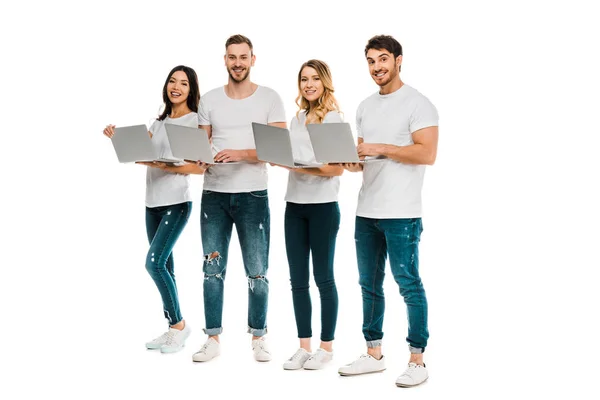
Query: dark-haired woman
x: 169, y: 200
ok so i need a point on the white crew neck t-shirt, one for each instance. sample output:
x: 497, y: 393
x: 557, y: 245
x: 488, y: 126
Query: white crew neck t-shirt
x: 166, y: 188
x: 392, y: 189
x: 303, y: 188
x: 231, y: 121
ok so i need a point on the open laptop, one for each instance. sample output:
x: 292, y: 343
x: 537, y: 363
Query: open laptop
x: 133, y: 143
x: 333, y: 143
x: 189, y: 144
x: 273, y: 144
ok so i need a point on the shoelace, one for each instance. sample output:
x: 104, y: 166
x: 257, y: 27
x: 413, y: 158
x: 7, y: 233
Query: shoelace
x: 411, y: 368
x: 161, y: 338
x: 297, y: 356
x: 170, y: 337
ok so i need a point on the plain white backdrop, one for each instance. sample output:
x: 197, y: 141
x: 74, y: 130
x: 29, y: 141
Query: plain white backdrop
x: 508, y: 255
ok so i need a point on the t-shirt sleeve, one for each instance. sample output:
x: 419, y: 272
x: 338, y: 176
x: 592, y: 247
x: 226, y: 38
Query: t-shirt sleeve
x: 332, y: 117
x: 359, y: 120
x: 154, y: 127
x: 276, y: 111
x: 424, y: 115
x: 203, y: 112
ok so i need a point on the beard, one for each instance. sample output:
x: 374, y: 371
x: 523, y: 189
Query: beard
x: 239, y: 80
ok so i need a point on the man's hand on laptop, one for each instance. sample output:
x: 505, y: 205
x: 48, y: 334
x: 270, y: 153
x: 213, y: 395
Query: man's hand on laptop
x: 228, y: 155
x: 369, y: 149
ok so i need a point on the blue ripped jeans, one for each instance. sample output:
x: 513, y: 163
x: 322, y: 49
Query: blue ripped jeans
x: 163, y: 227
x: 250, y: 214
x: 375, y: 239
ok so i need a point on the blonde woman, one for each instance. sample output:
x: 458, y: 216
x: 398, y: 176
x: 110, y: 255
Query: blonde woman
x: 312, y: 218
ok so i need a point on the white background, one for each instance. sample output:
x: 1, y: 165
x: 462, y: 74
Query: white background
x: 508, y: 255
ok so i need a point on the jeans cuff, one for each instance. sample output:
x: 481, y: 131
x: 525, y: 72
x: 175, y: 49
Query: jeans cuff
x: 257, y: 332
x: 213, y: 331
x: 373, y: 343
x: 416, y: 350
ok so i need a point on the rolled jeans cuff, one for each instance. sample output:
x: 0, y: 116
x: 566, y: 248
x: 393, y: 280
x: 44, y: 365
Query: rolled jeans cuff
x: 213, y: 331
x: 257, y: 332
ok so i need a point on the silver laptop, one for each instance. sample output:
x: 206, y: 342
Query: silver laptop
x: 133, y: 143
x: 273, y: 144
x: 189, y: 144
x: 334, y: 143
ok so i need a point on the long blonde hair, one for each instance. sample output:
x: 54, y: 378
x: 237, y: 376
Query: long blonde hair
x: 327, y: 101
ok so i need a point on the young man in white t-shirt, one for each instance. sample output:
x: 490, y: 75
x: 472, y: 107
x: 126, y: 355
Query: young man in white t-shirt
x: 236, y: 194
x: 400, y: 124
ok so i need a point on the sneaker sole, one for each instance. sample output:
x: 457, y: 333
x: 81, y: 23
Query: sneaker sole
x: 360, y: 373
x: 200, y: 361
x: 402, y: 385
x: 170, y: 350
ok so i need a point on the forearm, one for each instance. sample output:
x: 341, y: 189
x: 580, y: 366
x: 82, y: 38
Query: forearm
x: 249, y: 155
x: 188, y: 168
x: 412, y: 154
x: 326, y: 170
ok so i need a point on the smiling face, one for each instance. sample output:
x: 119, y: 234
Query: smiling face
x: 311, y: 85
x: 384, y: 68
x: 178, y: 88
x: 239, y: 60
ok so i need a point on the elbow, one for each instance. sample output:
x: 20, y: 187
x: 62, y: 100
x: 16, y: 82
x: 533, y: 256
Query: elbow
x: 430, y: 159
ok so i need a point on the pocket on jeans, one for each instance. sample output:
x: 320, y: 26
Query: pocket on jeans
x: 206, y: 192
x: 261, y: 194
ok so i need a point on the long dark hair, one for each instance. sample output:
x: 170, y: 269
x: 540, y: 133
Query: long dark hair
x: 193, y: 98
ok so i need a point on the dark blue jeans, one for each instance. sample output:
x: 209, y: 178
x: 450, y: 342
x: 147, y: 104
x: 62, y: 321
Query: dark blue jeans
x: 163, y: 226
x: 250, y: 214
x: 375, y: 239
x: 312, y: 228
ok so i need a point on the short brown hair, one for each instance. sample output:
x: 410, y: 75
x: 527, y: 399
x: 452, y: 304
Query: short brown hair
x: 238, y: 39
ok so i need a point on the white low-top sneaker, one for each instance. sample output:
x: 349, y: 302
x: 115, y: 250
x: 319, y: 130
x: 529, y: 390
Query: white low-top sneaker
x: 297, y: 360
x: 175, y: 340
x: 414, y: 375
x: 261, y: 350
x: 157, y: 343
x: 365, y: 364
x: 319, y: 359
x: 209, y: 350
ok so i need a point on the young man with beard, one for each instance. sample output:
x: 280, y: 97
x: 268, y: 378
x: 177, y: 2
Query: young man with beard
x: 400, y: 124
x: 236, y: 194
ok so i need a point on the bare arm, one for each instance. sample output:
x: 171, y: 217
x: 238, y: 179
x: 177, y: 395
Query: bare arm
x: 423, y: 151
x: 188, y: 168
x: 326, y: 170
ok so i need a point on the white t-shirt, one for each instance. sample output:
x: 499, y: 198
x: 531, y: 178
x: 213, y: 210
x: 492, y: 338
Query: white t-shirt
x: 303, y: 188
x: 390, y: 188
x: 231, y: 121
x: 166, y: 188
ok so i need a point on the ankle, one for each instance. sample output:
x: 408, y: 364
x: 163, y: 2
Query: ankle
x: 216, y: 338
x: 417, y: 359
x: 179, y: 326
x: 305, y: 344
x: 327, y: 346
x: 375, y: 352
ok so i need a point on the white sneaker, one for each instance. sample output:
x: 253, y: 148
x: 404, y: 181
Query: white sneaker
x: 175, y: 340
x: 261, y: 350
x: 297, y: 360
x: 209, y: 350
x: 319, y: 359
x: 158, y: 342
x: 414, y: 375
x: 366, y: 364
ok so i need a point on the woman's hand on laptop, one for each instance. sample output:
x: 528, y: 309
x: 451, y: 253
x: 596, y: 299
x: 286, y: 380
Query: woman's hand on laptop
x: 109, y: 131
x: 353, y: 167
